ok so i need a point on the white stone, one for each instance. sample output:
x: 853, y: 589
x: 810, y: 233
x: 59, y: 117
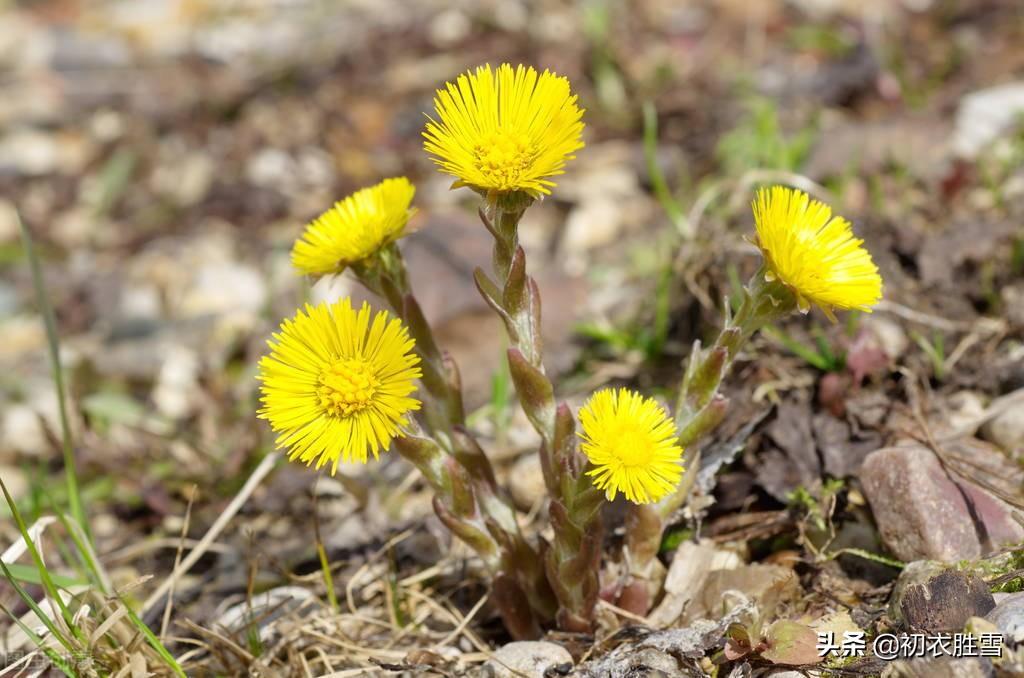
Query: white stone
x: 22, y: 430
x: 1007, y: 429
x: 889, y: 334
x: 225, y: 288
x: 594, y: 223
x: 177, y: 386
x: 965, y: 412
x: 985, y: 115
x: 526, y: 481
x: 449, y: 27
x: 527, y: 659
x: 30, y: 152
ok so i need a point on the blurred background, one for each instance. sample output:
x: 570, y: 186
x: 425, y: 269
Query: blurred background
x: 165, y: 155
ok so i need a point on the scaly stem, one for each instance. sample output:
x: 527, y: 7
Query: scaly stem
x: 387, y: 277
x: 467, y: 500
x: 572, y: 560
x: 699, y: 409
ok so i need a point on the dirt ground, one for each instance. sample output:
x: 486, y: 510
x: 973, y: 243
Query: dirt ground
x: 165, y: 155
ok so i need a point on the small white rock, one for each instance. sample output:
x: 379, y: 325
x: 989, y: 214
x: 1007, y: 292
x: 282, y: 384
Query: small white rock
x: 225, y: 287
x: 889, y: 334
x: 530, y: 658
x: 526, y: 481
x: 985, y: 115
x: 177, y: 387
x: 22, y: 431
x: 965, y: 411
x: 1007, y: 429
x: 449, y: 27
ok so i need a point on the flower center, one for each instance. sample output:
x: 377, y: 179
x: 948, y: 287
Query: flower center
x: 503, y: 158
x: 347, y: 386
x: 631, y: 447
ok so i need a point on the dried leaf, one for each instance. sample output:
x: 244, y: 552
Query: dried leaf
x: 791, y: 643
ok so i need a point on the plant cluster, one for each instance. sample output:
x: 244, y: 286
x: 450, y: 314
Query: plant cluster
x: 342, y: 384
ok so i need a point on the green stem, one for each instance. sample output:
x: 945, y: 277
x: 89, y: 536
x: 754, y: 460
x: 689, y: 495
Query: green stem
x: 699, y: 409
x: 573, y: 559
x: 388, y: 278
x: 467, y: 499
x: 49, y: 320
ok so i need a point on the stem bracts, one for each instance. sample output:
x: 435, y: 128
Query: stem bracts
x: 572, y: 560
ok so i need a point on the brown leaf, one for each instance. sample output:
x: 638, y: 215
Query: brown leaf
x: 791, y: 643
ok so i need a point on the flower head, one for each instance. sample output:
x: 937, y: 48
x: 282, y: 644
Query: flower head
x: 506, y: 131
x: 631, y: 441
x: 814, y: 253
x: 337, y: 383
x: 355, y: 228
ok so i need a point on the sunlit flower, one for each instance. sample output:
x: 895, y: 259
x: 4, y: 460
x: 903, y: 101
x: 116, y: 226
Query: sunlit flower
x: 355, y: 228
x: 632, y: 442
x: 814, y: 253
x: 337, y: 383
x: 510, y: 130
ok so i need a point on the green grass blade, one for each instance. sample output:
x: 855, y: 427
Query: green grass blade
x: 661, y: 190
x: 153, y: 641
x: 50, y: 625
x: 85, y: 554
x: 55, y: 658
x: 50, y: 322
x: 662, y: 307
x: 809, y: 355
x: 46, y: 581
x: 29, y: 575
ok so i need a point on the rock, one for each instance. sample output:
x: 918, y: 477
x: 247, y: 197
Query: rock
x: 449, y: 27
x: 1007, y: 428
x: 985, y: 115
x: 27, y: 426
x: 177, y: 389
x: 685, y: 647
x: 526, y: 481
x: 915, y: 573
x: 648, y: 661
x: 888, y: 334
x: 527, y: 658
x: 965, y: 409
x: 14, y: 480
x: 922, y: 514
x: 1008, y: 616
x: 943, y: 667
x: 593, y: 224
x: 909, y: 140
x: 185, y: 180
x: 946, y: 601
x: 1013, y: 299
x: 29, y: 153
x: 225, y: 288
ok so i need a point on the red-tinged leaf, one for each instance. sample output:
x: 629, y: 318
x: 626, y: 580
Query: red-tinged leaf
x: 791, y: 643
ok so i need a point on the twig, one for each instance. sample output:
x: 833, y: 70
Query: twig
x: 177, y: 561
x: 218, y: 526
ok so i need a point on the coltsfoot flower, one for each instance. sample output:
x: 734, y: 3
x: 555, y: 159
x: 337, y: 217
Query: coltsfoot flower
x: 632, y: 442
x: 814, y: 253
x: 506, y: 131
x: 336, y: 385
x: 355, y: 228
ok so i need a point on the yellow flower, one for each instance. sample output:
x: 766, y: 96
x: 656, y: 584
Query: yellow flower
x: 505, y: 131
x: 355, y: 228
x: 814, y: 253
x: 632, y: 442
x: 336, y: 385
